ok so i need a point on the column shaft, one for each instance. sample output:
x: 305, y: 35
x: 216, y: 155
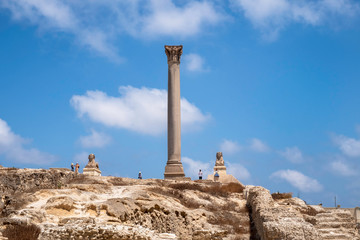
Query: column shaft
x: 174, y: 168
x: 174, y: 114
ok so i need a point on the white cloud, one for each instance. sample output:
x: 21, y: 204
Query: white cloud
x: 12, y: 146
x: 349, y: 146
x: 341, y: 168
x: 238, y: 171
x: 229, y: 147
x: 258, y: 146
x: 142, y: 110
x: 271, y: 16
x: 292, y: 154
x: 192, y: 168
x: 95, y: 139
x: 357, y: 128
x: 298, y: 180
x: 97, y: 24
x: 166, y: 18
x: 194, y: 62
x: 64, y: 17
x: 82, y: 158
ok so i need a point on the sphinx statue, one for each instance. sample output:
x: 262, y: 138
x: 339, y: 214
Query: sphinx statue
x: 92, y: 163
x: 92, y: 168
x: 219, y: 174
x: 219, y: 159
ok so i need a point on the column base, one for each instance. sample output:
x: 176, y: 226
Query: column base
x: 174, y: 171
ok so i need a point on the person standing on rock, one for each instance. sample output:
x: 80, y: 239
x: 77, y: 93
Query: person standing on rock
x: 200, y: 174
x: 77, y: 166
x: 216, y: 176
x: 72, y: 167
x: 140, y: 175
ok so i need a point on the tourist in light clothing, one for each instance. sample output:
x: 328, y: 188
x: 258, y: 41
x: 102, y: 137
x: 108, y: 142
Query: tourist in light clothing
x: 200, y: 174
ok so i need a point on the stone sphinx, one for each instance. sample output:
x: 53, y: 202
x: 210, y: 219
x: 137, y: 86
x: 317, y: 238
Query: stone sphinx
x: 220, y: 171
x: 219, y: 159
x: 92, y: 168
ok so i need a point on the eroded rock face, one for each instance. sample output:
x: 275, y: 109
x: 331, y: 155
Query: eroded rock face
x: 62, y: 202
x: 292, y: 218
x: 91, y: 207
x: 22, y: 180
x: 274, y: 221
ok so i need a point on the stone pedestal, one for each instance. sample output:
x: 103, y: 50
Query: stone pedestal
x: 174, y: 168
x: 92, y: 171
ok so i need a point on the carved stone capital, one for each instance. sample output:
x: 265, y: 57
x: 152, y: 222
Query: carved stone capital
x: 173, y: 53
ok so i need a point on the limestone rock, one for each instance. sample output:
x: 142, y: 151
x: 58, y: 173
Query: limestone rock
x: 63, y: 202
x: 273, y: 221
x: 96, y: 207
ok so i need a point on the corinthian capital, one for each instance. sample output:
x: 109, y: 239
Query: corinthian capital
x: 173, y: 53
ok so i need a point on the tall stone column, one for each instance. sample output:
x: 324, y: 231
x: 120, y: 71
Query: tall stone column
x: 174, y: 166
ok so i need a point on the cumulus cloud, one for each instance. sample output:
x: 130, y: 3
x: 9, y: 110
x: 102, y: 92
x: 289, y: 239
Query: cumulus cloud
x: 292, y: 154
x: 271, y: 16
x: 192, y: 167
x: 64, y: 17
x: 194, y: 62
x: 229, y: 147
x: 95, y: 140
x: 238, y: 171
x: 142, y: 110
x: 12, y: 146
x: 341, y: 168
x: 168, y: 19
x: 258, y: 146
x: 97, y: 24
x: 298, y: 180
x: 348, y: 146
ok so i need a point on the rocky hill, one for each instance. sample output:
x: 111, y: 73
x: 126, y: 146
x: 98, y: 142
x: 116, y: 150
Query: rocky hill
x: 57, y: 204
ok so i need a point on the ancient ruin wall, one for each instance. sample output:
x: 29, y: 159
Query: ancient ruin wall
x: 273, y: 221
x: 13, y: 180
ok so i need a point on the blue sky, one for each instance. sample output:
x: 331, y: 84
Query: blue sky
x: 273, y: 84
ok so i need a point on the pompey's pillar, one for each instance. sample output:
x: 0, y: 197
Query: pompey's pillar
x: 174, y: 166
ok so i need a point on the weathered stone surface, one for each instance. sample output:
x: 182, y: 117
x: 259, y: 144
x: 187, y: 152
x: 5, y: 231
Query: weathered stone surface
x: 63, y: 202
x: 91, y: 207
x: 22, y: 180
x: 274, y: 221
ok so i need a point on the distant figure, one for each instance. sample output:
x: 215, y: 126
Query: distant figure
x: 72, y: 167
x: 77, y: 166
x: 139, y: 176
x: 200, y: 174
x: 216, y: 176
